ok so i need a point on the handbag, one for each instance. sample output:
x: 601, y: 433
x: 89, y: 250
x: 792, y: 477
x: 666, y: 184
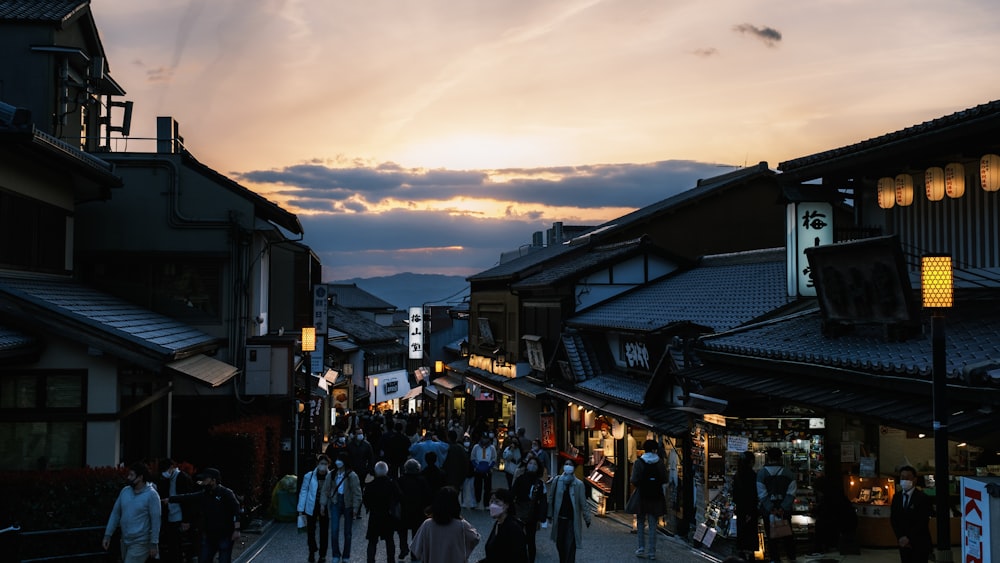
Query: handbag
x: 302, y: 522
x: 780, y: 528
x: 633, y: 503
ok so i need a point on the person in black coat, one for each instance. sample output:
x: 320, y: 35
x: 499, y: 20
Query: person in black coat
x: 531, y: 504
x: 910, y: 517
x: 507, y: 542
x: 382, y: 498
x: 432, y: 473
x: 416, y: 502
x: 747, y: 511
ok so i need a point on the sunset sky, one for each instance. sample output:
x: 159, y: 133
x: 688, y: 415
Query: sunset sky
x: 431, y: 135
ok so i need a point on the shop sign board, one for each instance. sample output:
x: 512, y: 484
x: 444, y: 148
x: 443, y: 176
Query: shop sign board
x: 416, y: 336
x: 980, y: 519
x: 547, y: 424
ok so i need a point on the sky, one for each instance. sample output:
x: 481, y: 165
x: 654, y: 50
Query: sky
x: 430, y: 136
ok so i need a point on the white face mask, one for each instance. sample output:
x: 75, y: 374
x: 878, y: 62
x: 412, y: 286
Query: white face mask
x: 166, y: 474
x: 906, y: 485
x: 467, y: 444
x: 532, y: 467
x: 496, y: 510
x: 361, y: 437
x: 567, y: 470
x: 339, y: 464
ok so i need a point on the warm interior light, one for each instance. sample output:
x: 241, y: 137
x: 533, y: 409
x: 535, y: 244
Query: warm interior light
x: 954, y: 180
x: 904, y: 190
x: 921, y: 435
x: 989, y: 172
x: 438, y: 366
x: 308, y: 339
x: 936, y: 281
x: 963, y: 444
x: 934, y: 183
x: 886, y: 193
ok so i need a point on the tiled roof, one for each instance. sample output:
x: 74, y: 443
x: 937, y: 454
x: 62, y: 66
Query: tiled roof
x: 580, y: 355
x: 724, y: 291
x: 109, y: 314
x: 357, y: 327
x: 972, y: 341
x: 987, y: 111
x: 39, y: 10
x: 616, y: 386
x: 532, y: 258
x: 566, y: 267
x: 13, y: 340
x: 351, y: 296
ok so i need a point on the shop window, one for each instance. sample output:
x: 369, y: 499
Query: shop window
x: 29, y: 446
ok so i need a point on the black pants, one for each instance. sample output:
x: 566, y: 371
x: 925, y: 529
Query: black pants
x: 170, y: 543
x: 910, y: 555
x: 566, y: 541
x: 774, y: 546
x: 403, y: 531
x: 324, y: 532
x: 484, y: 488
x: 530, y: 529
x: 390, y: 548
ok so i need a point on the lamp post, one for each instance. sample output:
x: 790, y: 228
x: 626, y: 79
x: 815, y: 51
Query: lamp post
x: 308, y: 346
x: 375, y: 396
x: 936, y: 288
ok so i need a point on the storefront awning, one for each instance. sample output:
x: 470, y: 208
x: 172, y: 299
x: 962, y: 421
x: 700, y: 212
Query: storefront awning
x: 900, y: 410
x: 528, y: 387
x: 343, y: 345
x: 414, y: 393
x: 448, y: 384
x: 204, y: 369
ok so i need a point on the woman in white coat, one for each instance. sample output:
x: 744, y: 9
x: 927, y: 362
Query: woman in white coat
x: 312, y: 483
x: 568, y: 512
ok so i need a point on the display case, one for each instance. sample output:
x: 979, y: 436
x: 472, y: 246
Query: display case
x: 602, y: 476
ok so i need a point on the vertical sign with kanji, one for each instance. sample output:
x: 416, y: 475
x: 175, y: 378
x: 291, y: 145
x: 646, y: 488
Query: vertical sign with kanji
x: 809, y: 224
x: 416, y: 339
x: 320, y: 293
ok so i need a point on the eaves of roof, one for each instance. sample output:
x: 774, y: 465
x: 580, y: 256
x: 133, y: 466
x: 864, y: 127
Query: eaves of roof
x: 41, y: 145
x: 983, y: 115
x: 351, y: 296
x: 572, y: 267
x: 522, y: 266
x: 82, y: 314
x: 797, y: 342
x: 360, y: 329
x: 41, y: 11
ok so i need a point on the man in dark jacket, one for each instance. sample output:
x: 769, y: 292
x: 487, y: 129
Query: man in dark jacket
x: 910, y: 517
x: 431, y: 473
x: 383, y: 499
x: 649, y: 475
x: 361, y: 455
x: 176, y: 520
x: 456, y: 465
x: 395, y: 447
x: 416, y: 502
x: 220, y: 514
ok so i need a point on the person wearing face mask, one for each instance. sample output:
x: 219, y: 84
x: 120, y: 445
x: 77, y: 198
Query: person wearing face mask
x: 542, y: 455
x: 361, y: 455
x: 568, y: 511
x: 530, y: 501
x: 910, y: 515
x: 484, y: 458
x: 340, y: 498
x: 309, y: 497
x: 220, y: 513
x: 507, y: 542
x: 137, y: 513
x: 456, y: 464
x: 175, y: 521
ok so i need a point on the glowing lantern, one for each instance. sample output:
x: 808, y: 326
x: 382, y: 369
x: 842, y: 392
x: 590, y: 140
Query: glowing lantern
x: 989, y: 172
x: 904, y: 189
x: 934, y: 183
x: 954, y: 180
x: 886, y: 193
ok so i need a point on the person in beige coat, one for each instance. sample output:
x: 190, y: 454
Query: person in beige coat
x: 568, y: 512
x: 341, y: 499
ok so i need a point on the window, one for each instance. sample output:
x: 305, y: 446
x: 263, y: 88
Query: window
x: 36, y: 431
x: 33, y: 234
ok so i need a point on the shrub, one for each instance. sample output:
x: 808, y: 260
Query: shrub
x: 247, y: 453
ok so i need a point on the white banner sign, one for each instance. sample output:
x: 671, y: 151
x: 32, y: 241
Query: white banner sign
x: 416, y: 338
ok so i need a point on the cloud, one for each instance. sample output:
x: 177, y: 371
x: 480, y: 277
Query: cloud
x: 706, y: 52
x: 768, y: 35
x: 318, y: 186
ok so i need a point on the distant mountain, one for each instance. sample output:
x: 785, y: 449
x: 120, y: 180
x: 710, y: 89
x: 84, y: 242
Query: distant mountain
x: 412, y: 290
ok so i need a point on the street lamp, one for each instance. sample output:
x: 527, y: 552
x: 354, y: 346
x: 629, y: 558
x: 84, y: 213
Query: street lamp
x: 308, y: 346
x: 375, y: 391
x: 937, y: 288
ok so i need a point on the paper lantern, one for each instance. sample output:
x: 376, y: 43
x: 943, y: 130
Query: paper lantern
x: 989, y: 172
x: 886, y: 193
x: 934, y: 183
x: 904, y: 190
x: 954, y: 180
x: 589, y: 418
x: 574, y: 413
x: 617, y: 429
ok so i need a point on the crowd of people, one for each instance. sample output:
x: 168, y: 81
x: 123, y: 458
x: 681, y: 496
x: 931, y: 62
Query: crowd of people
x: 413, y: 476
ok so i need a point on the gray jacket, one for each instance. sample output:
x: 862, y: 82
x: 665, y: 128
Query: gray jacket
x: 138, y: 515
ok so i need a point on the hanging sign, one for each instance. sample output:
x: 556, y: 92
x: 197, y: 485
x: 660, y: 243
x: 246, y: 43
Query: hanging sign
x: 416, y: 337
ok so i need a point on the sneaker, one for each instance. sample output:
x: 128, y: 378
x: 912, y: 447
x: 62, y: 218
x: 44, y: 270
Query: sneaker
x: 312, y: 558
x: 651, y: 556
x: 640, y: 553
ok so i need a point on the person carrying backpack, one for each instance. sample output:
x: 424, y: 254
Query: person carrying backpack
x: 776, y: 487
x: 649, y: 475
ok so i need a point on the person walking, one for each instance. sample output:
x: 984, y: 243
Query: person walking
x: 484, y: 458
x: 649, y: 476
x: 416, y: 501
x: 456, y: 465
x: 432, y: 473
x: 746, y: 501
x: 511, y: 459
x: 507, y: 542
x: 910, y: 515
x: 309, y: 496
x: 340, y: 498
x: 361, y: 455
x: 776, y: 486
x: 137, y: 513
x: 530, y: 502
x: 175, y: 521
x: 568, y: 511
x: 220, y: 513
x: 445, y: 537
x: 383, y: 500
x: 395, y: 448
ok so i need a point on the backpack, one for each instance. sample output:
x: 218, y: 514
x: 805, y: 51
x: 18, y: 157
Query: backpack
x: 651, y: 481
x: 777, y: 487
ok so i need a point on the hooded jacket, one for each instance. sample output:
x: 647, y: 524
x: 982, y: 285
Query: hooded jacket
x: 138, y: 515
